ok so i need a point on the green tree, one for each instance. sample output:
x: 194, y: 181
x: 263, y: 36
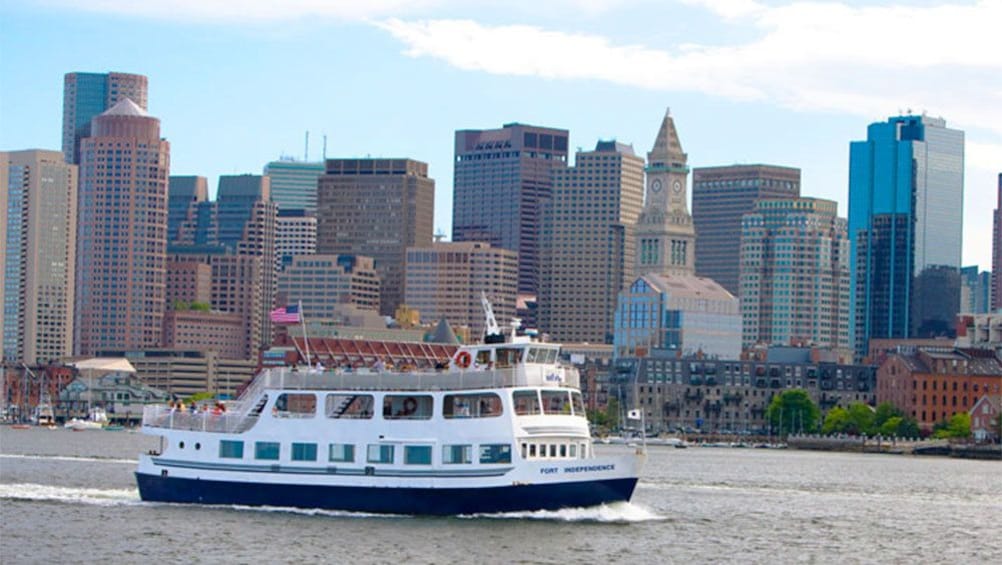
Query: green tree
x: 836, y: 421
x: 612, y: 412
x: 884, y: 412
x: 861, y: 419
x: 959, y: 426
x: 793, y: 411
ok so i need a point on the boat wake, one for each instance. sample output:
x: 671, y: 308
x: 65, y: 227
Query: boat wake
x: 70, y: 458
x: 616, y: 513
x: 73, y: 495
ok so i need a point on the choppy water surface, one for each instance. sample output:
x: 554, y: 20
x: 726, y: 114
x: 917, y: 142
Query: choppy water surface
x: 70, y: 498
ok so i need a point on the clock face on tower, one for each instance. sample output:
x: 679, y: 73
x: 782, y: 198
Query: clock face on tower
x: 656, y: 186
x: 677, y: 187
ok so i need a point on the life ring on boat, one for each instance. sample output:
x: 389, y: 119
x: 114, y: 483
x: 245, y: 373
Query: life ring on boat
x: 463, y: 360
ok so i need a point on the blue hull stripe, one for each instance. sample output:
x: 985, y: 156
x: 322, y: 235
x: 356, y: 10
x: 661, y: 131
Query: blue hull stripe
x: 330, y: 470
x: 427, y: 501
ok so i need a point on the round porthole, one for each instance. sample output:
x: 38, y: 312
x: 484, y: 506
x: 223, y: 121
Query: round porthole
x: 181, y: 445
x: 198, y: 446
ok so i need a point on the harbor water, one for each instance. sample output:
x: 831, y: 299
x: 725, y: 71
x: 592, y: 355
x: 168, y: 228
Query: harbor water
x: 70, y: 497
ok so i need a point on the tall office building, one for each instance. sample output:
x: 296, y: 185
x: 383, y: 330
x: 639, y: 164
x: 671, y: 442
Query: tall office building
x: 795, y: 274
x: 720, y: 196
x: 588, y: 242
x: 294, y: 184
x: 906, y: 194
x: 501, y: 180
x: 325, y: 283
x: 377, y: 208
x: 666, y: 240
x: 997, y: 251
x: 975, y: 290
x: 122, y: 232
x: 87, y: 95
x: 38, y: 198
x: 184, y: 193
x: 295, y: 234
x: 444, y: 280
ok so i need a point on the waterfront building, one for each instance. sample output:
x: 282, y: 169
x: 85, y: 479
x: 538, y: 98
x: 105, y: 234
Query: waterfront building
x: 687, y: 316
x: 325, y: 283
x: 181, y: 373
x: 984, y: 418
x: 184, y: 194
x: 121, y: 231
x: 906, y: 191
x: 794, y: 285
x: 121, y: 395
x: 720, y: 196
x: 205, y: 330
x: 997, y: 251
x: 294, y: 184
x: 975, y: 290
x: 376, y: 208
x: 38, y: 223
x: 666, y: 240
x: 501, y: 181
x: 931, y: 384
x: 445, y: 280
x: 87, y: 95
x: 295, y: 234
x: 732, y: 396
x: 982, y: 331
x: 588, y: 242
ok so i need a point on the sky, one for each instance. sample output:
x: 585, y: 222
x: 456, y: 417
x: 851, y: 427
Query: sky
x: 237, y: 84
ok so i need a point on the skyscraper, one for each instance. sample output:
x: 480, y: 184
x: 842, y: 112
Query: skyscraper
x: 588, y: 242
x: 294, y: 184
x: 720, y: 195
x: 795, y: 274
x: 295, y: 234
x: 666, y: 240
x: 87, y: 95
x: 122, y: 231
x: 38, y: 197
x: 975, y: 290
x: 184, y: 193
x: 501, y: 180
x: 377, y: 208
x: 906, y: 193
x: 997, y: 251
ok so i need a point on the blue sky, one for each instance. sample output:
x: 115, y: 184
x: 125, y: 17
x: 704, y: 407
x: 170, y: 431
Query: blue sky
x: 238, y: 83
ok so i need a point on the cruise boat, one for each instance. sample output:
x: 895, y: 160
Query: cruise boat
x: 501, y: 428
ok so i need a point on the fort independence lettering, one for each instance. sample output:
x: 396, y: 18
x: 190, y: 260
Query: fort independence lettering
x: 578, y: 469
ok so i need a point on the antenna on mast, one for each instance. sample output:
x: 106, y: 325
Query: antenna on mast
x: 324, y: 155
x: 306, y: 154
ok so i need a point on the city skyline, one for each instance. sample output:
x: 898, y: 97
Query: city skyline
x: 241, y: 91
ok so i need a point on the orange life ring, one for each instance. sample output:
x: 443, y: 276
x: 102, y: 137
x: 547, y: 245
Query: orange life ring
x: 463, y: 359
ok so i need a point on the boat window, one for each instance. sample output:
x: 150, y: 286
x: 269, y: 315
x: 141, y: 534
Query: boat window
x: 417, y: 455
x: 563, y: 450
x: 230, y: 449
x: 483, y: 405
x: 482, y: 360
x: 553, y: 450
x: 532, y: 450
x: 452, y: 454
x: 349, y: 406
x: 532, y: 356
x: 341, y: 453
x: 546, y: 356
x: 495, y: 453
x: 556, y: 402
x: 304, y: 452
x: 407, y: 407
x: 526, y: 402
x: 577, y: 404
x: 295, y: 405
x: 267, y: 450
x: 379, y: 453
x: 525, y: 451
x: 508, y: 357
x: 574, y: 450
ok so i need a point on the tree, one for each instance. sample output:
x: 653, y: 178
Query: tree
x: 858, y: 419
x: 793, y: 411
x: 836, y: 421
x: 959, y: 426
x: 884, y: 412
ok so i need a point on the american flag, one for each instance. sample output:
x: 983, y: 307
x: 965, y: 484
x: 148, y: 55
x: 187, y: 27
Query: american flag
x: 286, y: 314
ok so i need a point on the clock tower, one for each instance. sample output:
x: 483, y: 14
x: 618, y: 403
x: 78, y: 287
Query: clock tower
x: 666, y: 238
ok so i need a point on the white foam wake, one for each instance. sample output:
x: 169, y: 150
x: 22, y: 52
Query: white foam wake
x: 615, y: 513
x: 70, y: 458
x: 74, y: 495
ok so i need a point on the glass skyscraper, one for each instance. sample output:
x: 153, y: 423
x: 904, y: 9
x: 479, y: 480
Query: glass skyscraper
x: 88, y: 95
x: 906, y: 193
x: 294, y: 184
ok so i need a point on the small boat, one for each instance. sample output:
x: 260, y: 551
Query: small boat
x: 114, y: 428
x: 98, y: 419
x: 20, y: 426
x: 501, y: 429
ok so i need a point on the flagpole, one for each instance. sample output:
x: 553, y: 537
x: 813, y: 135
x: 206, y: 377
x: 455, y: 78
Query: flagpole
x: 306, y: 338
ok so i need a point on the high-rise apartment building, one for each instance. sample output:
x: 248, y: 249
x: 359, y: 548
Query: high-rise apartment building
x: 906, y: 194
x: 795, y: 274
x: 720, y: 196
x: 325, y: 283
x: 666, y: 240
x: 184, y: 194
x: 501, y: 181
x: 122, y: 231
x: 376, y: 208
x: 588, y: 242
x: 294, y: 184
x: 997, y: 251
x: 445, y: 280
x: 87, y: 95
x: 38, y: 203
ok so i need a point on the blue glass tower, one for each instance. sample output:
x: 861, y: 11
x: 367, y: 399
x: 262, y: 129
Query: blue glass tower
x: 906, y: 193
